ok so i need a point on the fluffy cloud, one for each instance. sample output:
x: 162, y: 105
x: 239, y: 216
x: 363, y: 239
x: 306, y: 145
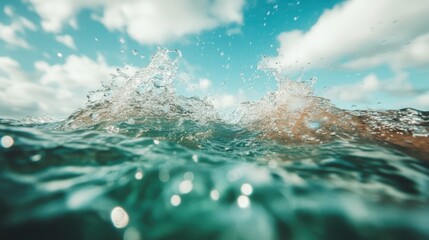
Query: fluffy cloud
x: 370, y: 90
x: 66, y: 40
x: 359, y: 33
x: 227, y: 101
x: 14, y: 32
x: 147, y: 21
x: 62, y: 88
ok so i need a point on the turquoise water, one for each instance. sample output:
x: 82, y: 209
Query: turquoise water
x: 140, y: 162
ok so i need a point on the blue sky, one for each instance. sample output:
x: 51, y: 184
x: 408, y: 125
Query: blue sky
x: 364, y: 53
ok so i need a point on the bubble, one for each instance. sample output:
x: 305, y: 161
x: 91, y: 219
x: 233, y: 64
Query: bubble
x: 122, y: 40
x: 295, y: 18
x: 234, y: 175
x: 7, y: 141
x: 135, y: 52
x: 60, y: 55
x: 164, y: 175
x: 175, y: 200
x: 139, y: 175
x: 188, y: 176
x: 156, y: 141
x: 36, y: 157
x: 185, y: 186
x: 195, y: 158
x: 243, y: 201
x: 96, y: 39
x: 246, y: 189
x: 119, y: 217
x: 214, y: 194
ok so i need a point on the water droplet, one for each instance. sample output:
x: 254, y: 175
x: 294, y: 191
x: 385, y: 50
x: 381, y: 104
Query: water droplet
x: 119, y: 217
x: 188, y: 176
x: 276, y: 6
x: 122, y: 40
x: 175, y: 200
x: 185, y: 187
x: 295, y: 18
x: 243, y: 201
x: 195, y: 158
x: 214, y: 194
x: 135, y: 52
x: 156, y: 141
x: 246, y: 189
x: 96, y: 39
x: 268, y: 13
x: 234, y: 175
x: 222, y: 54
x: 139, y: 175
x: 60, y: 55
x: 164, y: 175
x: 36, y: 157
x: 7, y: 141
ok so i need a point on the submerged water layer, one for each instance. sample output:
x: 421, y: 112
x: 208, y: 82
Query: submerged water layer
x: 140, y: 162
x: 164, y: 180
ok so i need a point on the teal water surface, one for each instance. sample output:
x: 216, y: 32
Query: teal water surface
x: 168, y: 180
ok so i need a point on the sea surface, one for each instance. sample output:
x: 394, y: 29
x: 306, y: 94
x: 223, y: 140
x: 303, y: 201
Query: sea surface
x: 141, y: 162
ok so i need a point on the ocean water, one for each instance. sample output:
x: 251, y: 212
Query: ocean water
x: 141, y: 162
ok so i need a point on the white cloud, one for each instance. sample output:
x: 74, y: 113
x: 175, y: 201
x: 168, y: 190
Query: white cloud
x: 414, y: 54
x: 397, y: 92
x: 227, y: 101
x: 13, y: 33
x: 78, y: 72
x: 359, y: 92
x: 204, y: 84
x: 66, y: 40
x: 224, y: 101
x: 62, y: 88
x: 55, y: 13
x: 356, y: 31
x: 147, y: 21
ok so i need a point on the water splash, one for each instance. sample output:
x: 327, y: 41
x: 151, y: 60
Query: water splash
x: 148, y: 94
x: 292, y: 113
